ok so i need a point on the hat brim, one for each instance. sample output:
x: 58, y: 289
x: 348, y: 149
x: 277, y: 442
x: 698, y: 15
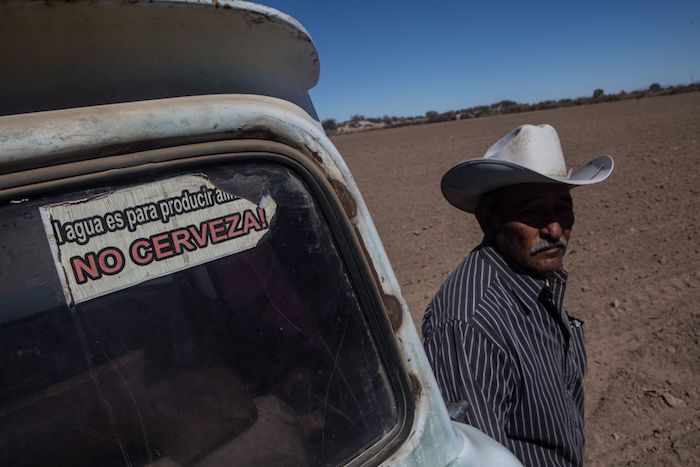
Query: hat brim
x: 464, y: 184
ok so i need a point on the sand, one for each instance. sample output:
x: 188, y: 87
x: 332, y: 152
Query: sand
x: 634, y: 259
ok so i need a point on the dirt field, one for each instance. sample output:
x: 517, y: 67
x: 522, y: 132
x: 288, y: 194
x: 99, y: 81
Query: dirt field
x: 634, y: 260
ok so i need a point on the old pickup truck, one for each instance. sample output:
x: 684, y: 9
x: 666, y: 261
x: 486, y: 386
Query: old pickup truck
x: 188, y: 272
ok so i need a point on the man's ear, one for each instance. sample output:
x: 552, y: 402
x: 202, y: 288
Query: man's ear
x: 488, y: 215
x: 486, y: 218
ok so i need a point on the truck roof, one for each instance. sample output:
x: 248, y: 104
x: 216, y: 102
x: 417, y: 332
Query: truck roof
x: 64, y: 54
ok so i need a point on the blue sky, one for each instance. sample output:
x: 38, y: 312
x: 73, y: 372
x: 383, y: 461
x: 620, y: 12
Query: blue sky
x: 409, y: 57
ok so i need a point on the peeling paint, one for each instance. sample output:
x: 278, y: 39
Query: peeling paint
x: 346, y: 198
x: 393, y: 310
x: 415, y: 386
x: 315, y: 155
x: 47, y: 138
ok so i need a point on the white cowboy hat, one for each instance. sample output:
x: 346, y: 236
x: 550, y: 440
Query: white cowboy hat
x: 528, y: 154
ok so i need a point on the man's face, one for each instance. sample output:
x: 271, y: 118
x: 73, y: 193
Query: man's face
x: 533, y: 225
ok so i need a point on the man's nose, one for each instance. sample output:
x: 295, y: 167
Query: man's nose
x: 552, y: 230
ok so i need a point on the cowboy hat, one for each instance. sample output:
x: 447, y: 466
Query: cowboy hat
x: 528, y: 154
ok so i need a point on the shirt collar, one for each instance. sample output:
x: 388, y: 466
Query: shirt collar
x: 527, y: 288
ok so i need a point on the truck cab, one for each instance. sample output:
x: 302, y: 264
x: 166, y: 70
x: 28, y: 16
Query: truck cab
x: 188, y: 272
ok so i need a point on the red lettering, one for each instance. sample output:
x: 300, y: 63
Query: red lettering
x: 181, y: 238
x: 83, y: 266
x: 200, y: 236
x: 216, y: 230
x: 161, y: 246
x: 250, y: 221
x: 110, y: 260
x: 141, y: 252
x: 262, y: 217
x: 234, y: 222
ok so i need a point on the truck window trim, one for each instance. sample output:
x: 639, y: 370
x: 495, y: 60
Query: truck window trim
x: 75, y: 175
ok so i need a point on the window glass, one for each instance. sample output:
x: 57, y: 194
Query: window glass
x: 260, y: 355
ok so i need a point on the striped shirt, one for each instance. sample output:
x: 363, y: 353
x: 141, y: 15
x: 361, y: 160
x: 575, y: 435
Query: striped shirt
x: 510, y: 358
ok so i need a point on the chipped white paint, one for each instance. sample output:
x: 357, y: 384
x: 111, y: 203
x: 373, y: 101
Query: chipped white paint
x: 434, y: 439
x: 43, y: 138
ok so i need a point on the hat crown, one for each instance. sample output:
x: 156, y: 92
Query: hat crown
x: 536, y: 147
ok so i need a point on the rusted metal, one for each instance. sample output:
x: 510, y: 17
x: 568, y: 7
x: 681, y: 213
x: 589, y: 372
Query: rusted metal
x: 346, y: 199
x: 415, y: 386
x: 47, y: 141
x: 315, y: 156
x: 393, y: 311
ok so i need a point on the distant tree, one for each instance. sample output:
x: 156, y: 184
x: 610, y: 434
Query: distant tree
x: 357, y: 118
x: 480, y: 110
x: 432, y: 116
x: 544, y: 105
x: 506, y: 107
x: 565, y: 102
x: 598, y: 93
x: 447, y: 116
x: 386, y: 120
x: 504, y: 103
x: 329, y: 124
x: 655, y: 87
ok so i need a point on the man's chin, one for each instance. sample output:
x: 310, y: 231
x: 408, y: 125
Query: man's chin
x: 548, y: 261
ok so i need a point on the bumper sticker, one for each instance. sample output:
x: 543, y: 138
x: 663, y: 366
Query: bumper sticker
x: 117, y: 240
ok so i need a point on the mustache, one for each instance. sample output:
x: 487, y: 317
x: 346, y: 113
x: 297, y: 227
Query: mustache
x: 545, y: 244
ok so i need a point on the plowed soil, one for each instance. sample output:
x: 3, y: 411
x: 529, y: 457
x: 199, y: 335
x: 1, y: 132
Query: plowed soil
x: 634, y: 259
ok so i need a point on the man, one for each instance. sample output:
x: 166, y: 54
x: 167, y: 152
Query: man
x: 508, y: 358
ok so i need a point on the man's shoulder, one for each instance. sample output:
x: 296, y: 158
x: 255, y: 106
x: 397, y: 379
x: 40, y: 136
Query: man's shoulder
x: 469, y: 292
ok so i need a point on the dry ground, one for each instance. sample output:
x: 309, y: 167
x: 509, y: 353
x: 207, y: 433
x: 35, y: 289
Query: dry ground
x: 634, y: 261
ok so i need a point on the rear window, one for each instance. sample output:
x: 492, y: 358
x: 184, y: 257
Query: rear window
x: 197, y: 318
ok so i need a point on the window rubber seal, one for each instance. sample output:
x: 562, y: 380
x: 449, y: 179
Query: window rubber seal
x: 36, y: 182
